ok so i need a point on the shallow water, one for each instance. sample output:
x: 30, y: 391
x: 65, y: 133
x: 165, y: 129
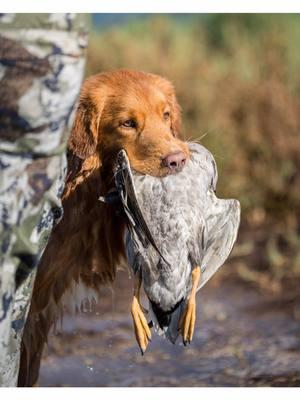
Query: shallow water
x: 243, y: 338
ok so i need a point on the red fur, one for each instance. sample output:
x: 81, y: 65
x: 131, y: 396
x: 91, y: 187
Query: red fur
x: 87, y: 244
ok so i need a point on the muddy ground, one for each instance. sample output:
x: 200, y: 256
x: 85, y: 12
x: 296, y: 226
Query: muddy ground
x: 243, y: 338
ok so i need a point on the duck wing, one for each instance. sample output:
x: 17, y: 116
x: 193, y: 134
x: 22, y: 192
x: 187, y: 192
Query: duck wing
x: 135, y: 220
x: 216, y: 237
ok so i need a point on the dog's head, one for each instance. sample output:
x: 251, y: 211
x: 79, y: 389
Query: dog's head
x: 135, y: 111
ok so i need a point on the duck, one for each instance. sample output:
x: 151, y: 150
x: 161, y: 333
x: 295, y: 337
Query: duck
x: 179, y: 233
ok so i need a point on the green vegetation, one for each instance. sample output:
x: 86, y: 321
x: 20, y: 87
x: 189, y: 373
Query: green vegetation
x: 238, y: 81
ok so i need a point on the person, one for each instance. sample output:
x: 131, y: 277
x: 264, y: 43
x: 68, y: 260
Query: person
x: 42, y: 60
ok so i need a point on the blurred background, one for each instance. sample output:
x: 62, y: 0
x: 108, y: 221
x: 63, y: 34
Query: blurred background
x: 237, y: 79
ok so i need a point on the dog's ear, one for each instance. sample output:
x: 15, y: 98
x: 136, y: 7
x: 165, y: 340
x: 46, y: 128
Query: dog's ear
x: 84, y: 134
x: 169, y: 90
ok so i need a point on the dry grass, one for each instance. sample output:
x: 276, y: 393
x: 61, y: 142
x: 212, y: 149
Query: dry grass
x: 237, y: 79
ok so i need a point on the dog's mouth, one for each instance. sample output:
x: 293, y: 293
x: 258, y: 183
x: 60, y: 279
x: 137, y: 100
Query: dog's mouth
x: 160, y: 172
x: 156, y: 163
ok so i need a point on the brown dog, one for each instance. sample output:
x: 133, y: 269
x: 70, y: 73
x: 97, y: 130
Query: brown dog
x: 135, y: 111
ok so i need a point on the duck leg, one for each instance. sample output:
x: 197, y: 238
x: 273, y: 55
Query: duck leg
x: 187, y: 323
x: 141, y: 328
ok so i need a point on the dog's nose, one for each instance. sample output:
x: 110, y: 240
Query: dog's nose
x: 174, y: 161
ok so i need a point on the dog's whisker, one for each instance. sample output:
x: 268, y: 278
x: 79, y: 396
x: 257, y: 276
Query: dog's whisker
x: 199, y: 138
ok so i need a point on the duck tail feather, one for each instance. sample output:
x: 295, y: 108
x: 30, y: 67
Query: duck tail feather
x: 173, y: 329
x: 167, y: 324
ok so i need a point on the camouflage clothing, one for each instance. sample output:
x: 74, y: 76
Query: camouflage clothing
x: 41, y: 69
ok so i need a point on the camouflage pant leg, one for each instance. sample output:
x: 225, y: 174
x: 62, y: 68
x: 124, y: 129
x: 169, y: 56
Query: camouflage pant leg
x: 41, y: 69
x: 28, y: 215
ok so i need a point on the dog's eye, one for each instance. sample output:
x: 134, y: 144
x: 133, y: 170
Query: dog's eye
x: 166, y: 115
x: 130, y: 123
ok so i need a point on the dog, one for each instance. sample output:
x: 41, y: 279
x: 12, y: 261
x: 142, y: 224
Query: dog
x: 122, y: 109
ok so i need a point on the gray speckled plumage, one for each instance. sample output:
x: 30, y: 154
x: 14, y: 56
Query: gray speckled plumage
x: 190, y: 226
